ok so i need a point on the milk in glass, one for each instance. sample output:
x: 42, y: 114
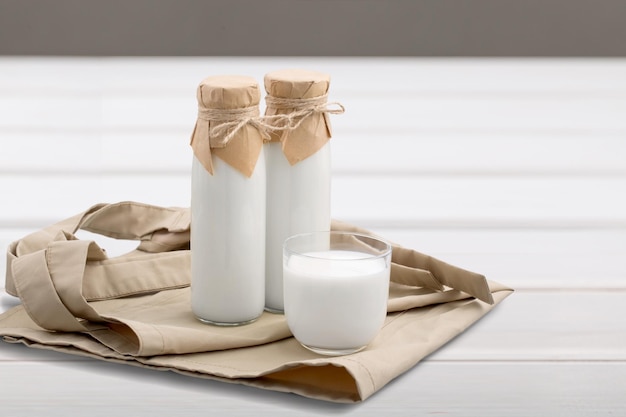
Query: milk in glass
x: 335, y: 304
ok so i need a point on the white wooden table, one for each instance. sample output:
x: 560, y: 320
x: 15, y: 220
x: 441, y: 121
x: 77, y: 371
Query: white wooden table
x: 512, y: 168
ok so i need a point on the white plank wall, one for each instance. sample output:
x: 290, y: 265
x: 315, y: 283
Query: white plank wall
x: 515, y: 168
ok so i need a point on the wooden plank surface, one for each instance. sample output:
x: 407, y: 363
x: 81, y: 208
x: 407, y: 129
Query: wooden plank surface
x: 571, y: 389
x: 383, y: 200
x: 511, y: 168
x: 417, y: 153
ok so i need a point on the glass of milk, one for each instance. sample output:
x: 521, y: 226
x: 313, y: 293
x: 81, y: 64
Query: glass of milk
x: 336, y: 286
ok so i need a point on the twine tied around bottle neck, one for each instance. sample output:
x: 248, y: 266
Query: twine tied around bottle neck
x: 231, y: 121
x: 300, y: 109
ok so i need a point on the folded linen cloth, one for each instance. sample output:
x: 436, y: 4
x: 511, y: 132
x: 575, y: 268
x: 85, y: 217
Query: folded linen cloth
x: 135, y: 308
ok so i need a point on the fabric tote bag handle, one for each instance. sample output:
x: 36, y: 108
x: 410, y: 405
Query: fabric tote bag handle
x: 55, y: 274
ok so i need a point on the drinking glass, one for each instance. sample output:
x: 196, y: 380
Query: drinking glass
x: 336, y: 286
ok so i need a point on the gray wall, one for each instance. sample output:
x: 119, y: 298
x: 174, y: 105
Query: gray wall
x: 314, y: 27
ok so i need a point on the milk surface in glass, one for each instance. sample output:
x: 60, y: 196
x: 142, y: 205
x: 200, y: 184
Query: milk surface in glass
x: 228, y: 220
x: 336, y: 300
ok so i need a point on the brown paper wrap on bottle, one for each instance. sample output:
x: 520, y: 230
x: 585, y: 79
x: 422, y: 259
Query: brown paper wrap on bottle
x: 228, y: 99
x: 314, y: 130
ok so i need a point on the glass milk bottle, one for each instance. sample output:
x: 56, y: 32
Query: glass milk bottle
x: 228, y: 203
x: 298, y: 166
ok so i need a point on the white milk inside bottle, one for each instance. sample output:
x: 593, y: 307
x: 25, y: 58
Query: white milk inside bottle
x: 298, y: 199
x: 228, y: 258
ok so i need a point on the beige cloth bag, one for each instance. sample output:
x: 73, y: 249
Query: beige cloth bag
x: 135, y: 309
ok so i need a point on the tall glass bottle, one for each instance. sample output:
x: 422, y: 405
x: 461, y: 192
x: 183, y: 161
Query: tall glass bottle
x: 228, y: 203
x: 298, y: 167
